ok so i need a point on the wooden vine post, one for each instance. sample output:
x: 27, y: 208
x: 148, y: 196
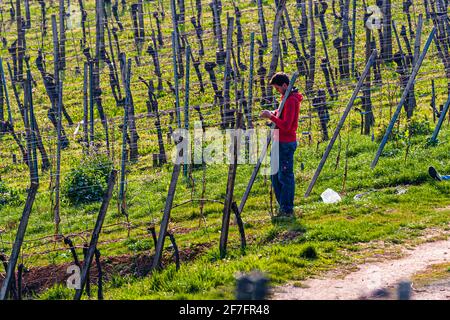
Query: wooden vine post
x: 32, y: 191
x: 96, y: 234
x: 232, y: 169
x: 275, y: 47
x: 341, y: 123
x: 403, y: 98
x: 169, y: 202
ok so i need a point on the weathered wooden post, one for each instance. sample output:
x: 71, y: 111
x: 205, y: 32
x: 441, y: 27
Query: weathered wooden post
x: 138, y: 27
x: 232, y: 169
x: 186, y: 106
x: 321, y: 15
x: 179, y: 56
x: 158, y: 28
x: 56, y: 210
x: 404, y: 35
x: 62, y: 38
x: 366, y: 100
x: 91, y: 103
x: 99, y: 54
x: 262, y: 24
x: 196, y: 64
x: 440, y: 121
x: 387, y: 30
x: 153, y: 52
x: 32, y: 191
x: 436, y: 113
x: 261, y: 72
x: 27, y: 14
x: 406, y: 9
x: 35, y: 132
x: 140, y: 13
x: 228, y: 114
x: 440, y: 22
x: 275, y: 47
x: 353, y: 36
x: 96, y: 234
x: 133, y: 134
x: 413, y: 59
x: 320, y: 105
x: 83, y: 22
x: 303, y: 27
x: 345, y: 43
x: 249, y: 112
x: 5, y: 93
x: 329, y: 69
x: 85, y: 108
x: 21, y: 44
x: 220, y: 53
x: 312, y: 51
x: 175, y: 74
x: 341, y: 123
x: 154, y: 103
x: 124, y: 70
x: 408, y: 87
x: 300, y: 61
x: 35, y: 135
x: 199, y: 34
x: 169, y: 201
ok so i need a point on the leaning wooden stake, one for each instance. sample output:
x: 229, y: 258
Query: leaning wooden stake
x: 169, y: 201
x: 341, y: 122
x: 265, y: 147
x: 18, y: 241
x: 404, y: 96
x: 32, y: 191
x: 96, y: 234
x: 440, y: 121
x: 230, y: 187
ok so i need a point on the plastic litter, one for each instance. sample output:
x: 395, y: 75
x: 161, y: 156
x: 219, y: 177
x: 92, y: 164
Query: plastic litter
x: 400, y: 191
x: 330, y: 196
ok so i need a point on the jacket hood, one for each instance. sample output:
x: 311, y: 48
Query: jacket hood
x: 295, y: 94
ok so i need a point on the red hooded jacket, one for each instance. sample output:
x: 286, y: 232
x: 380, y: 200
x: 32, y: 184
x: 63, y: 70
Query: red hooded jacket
x: 288, y: 122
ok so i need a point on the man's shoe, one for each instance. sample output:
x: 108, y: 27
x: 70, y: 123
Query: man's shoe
x: 289, y: 213
x: 285, y: 214
x: 434, y: 174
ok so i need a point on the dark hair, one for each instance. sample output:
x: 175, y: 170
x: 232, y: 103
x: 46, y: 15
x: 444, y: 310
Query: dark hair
x: 279, y: 79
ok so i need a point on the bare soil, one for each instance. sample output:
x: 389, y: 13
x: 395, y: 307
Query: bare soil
x: 38, y: 279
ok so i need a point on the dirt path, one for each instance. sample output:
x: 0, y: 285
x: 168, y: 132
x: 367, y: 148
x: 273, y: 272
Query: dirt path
x: 371, y: 277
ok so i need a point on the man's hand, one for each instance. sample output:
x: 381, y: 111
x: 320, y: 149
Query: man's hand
x: 266, y: 114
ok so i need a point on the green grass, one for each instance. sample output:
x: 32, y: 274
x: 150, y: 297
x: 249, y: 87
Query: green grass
x: 325, y: 235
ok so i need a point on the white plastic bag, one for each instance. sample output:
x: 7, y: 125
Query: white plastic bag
x: 330, y: 196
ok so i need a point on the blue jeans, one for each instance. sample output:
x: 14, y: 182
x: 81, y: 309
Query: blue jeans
x: 445, y: 178
x: 283, y: 181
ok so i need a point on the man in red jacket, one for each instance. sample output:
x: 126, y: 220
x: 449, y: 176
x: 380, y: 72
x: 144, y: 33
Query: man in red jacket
x: 283, y: 181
